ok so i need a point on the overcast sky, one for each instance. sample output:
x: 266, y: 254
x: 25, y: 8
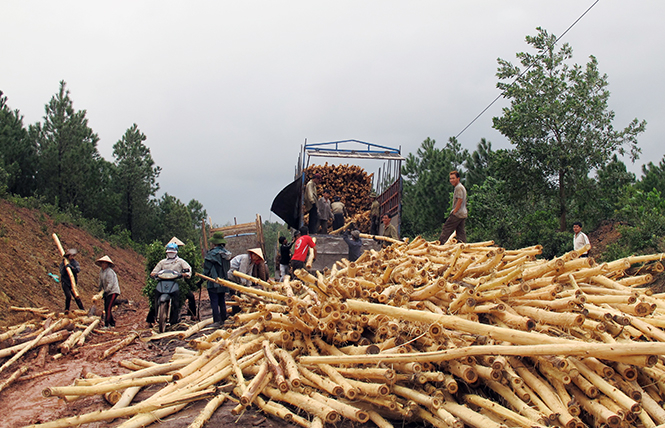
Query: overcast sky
x: 227, y: 92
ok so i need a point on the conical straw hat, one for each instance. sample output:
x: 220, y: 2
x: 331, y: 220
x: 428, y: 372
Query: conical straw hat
x: 106, y: 259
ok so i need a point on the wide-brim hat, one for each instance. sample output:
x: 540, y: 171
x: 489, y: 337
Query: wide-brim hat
x: 176, y: 241
x: 71, y: 252
x: 218, y: 238
x: 106, y: 259
x: 256, y: 251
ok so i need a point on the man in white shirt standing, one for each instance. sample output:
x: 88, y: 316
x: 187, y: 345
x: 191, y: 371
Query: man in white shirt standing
x: 580, y: 239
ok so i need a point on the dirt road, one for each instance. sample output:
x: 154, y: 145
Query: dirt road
x: 22, y: 403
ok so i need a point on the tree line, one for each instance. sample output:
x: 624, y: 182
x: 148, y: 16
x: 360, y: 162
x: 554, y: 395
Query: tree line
x: 563, y: 166
x: 56, y: 162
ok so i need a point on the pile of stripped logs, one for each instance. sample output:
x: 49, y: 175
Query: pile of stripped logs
x: 448, y: 335
x: 65, y: 333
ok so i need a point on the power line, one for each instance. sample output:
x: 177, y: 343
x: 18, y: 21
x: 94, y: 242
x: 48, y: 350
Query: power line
x: 524, y: 72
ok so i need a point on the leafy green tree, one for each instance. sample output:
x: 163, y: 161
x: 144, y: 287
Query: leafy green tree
x: 136, y: 181
x: 173, y: 218
x: 427, y: 193
x: 197, y: 213
x: 612, y: 181
x: 478, y: 165
x: 643, y: 214
x: 558, y: 118
x: 495, y: 215
x: 653, y: 177
x: 70, y: 167
x: 18, y: 154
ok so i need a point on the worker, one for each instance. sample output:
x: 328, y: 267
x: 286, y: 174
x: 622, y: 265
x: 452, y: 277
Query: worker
x: 108, y: 283
x: 215, y: 265
x: 310, y: 199
x: 324, y: 211
x: 174, y: 263
x: 457, y: 217
x: 284, y: 256
x: 374, y: 213
x: 251, y: 263
x: 580, y: 239
x: 69, y: 263
x: 355, y: 244
x: 301, y: 249
x: 388, y: 230
x: 339, y: 212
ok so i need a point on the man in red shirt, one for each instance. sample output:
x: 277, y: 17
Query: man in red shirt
x: 301, y: 249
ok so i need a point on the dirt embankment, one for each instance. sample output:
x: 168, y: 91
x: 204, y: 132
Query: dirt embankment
x: 28, y: 256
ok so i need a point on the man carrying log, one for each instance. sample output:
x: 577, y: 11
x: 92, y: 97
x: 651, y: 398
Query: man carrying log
x: 252, y: 263
x: 215, y: 265
x: 457, y: 217
x: 69, y: 262
x: 355, y: 244
x: 301, y: 250
x: 310, y: 200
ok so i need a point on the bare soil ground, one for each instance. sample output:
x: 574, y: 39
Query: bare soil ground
x: 27, y: 255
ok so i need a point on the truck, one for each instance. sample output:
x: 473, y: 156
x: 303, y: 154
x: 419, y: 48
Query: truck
x: 387, y: 184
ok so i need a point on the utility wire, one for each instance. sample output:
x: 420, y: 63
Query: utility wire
x: 524, y: 72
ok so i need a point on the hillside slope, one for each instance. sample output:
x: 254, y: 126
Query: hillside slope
x: 28, y: 255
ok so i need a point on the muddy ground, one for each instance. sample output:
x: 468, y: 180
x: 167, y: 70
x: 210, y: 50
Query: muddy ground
x: 28, y: 271
x: 22, y: 403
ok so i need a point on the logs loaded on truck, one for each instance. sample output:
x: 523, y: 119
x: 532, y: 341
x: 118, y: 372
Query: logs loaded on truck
x: 445, y: 335
x: 350, y: 182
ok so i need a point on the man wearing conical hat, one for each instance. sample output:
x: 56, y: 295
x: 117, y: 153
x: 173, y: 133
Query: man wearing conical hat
x: 108, y: 282
x: 252, y: 263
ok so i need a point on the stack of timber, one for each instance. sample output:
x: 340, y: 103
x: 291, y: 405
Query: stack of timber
x: 447, y: 335
x: 57, y: 332
x: 351, y: 183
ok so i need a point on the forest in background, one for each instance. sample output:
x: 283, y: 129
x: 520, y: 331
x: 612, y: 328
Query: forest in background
x: 564, y: 165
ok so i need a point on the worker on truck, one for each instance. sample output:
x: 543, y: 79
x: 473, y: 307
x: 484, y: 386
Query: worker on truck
x: 310, y: 200
x: 324, y: 212
x: 374, y: 212
x: 339, y: 212
x: 388, y: 230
